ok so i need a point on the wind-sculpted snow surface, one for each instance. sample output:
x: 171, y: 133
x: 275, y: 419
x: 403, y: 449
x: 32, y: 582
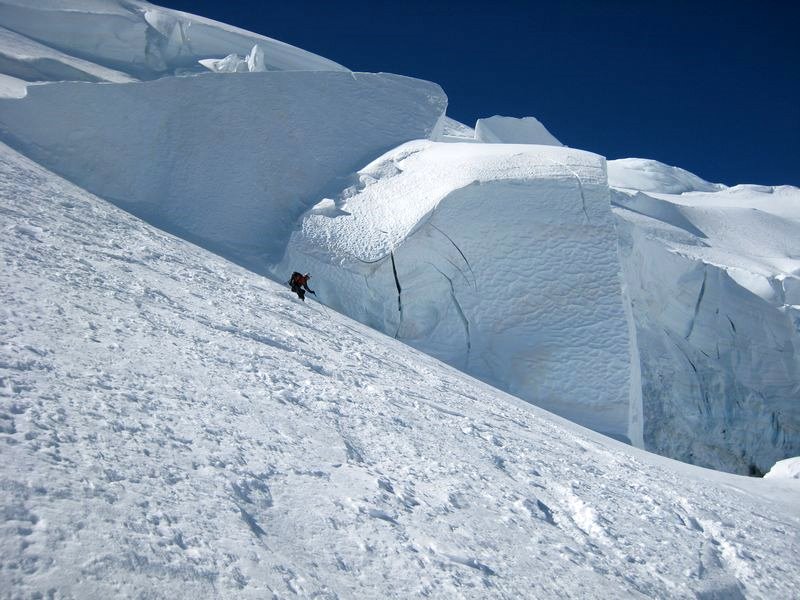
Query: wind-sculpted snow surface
x: 498, y: 259
x: 174, y: 426
x: 714, y: 278
x: 226, y: 160
x: 143, y: 40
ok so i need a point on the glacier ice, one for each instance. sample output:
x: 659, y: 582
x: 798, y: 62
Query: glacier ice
x: 226, y: 160
x: 143, y: 40
x: 174, y: 426
x: 254, y: 62
x: 452, y: 130
x: 712, y: 273
x: 201, y: 415
x: 499, y: 259
x: 30, y: 61
x: 231, y: 162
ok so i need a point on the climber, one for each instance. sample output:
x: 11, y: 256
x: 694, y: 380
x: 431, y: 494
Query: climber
x: 298, y: 282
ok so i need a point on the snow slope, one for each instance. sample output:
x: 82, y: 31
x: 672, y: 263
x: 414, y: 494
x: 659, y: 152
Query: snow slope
x: 231, y: 161
x: 499, y: 259
x: 142, y: 40
x: 714, y: 278
x: 175, y: 426
x: 227, y: 160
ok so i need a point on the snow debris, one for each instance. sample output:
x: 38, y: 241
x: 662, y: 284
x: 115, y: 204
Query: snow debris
x: 789, y: 468
x: 233, y: 63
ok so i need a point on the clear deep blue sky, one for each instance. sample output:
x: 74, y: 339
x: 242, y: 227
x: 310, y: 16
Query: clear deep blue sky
x: 712, y: 87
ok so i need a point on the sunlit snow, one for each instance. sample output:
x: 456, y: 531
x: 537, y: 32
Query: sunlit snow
x: 173, y: 424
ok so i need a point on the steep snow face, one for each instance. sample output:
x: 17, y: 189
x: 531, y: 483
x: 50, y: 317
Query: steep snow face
x: 226, y: 160
x: 175, y: 426
x: 714, y: 279
x: 498, y: 259
x: 510, y: 130
x: 142, y: 40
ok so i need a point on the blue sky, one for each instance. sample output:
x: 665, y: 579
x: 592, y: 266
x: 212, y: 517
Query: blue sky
x: 712, y: 87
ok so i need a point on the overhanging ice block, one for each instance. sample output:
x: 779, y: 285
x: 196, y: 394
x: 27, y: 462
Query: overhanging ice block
x: 226, y: 160
x: 498, y: 259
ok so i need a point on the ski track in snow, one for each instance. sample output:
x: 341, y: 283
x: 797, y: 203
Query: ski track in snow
x: 172, y: 425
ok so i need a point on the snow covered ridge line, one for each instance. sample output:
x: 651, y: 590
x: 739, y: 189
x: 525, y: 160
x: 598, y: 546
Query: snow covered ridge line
x: 143, y: 40
x: 173, y: 426
x: 647, y: 175
x: 229, y: 161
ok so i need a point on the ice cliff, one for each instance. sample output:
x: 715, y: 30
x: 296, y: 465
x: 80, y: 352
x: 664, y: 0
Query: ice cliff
x: 712, y: 273
x: 499, y: 259
x: 229, y: 161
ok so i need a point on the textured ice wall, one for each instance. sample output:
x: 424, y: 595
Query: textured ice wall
x: 720, y: 366
x: 713, y: 277
x: 498, y: 259
x: 226, y: 160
